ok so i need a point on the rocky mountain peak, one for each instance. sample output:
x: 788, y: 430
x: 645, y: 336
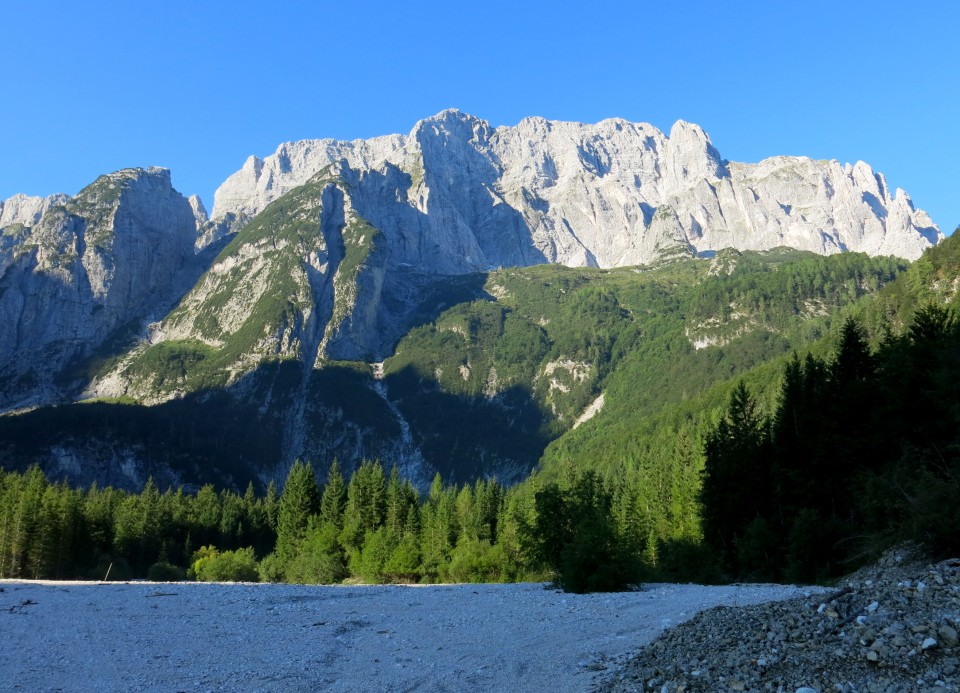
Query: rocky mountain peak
x: 118, y: 253
x: 584, y: 195
x: 27, y: 210
x: 691, y: 157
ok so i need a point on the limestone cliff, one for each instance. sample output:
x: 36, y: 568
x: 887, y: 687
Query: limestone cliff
x: 74, y: 271
x: 458, y: 195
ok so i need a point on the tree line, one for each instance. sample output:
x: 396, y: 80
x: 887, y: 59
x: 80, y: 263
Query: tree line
x: 862, y: 450
x: 586, y: 533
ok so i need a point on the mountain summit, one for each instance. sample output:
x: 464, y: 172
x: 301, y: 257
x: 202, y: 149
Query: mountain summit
x: 459, y: 195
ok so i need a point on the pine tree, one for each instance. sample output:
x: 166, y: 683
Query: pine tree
x: 737, y: 483
x: 205, y: 517
x: 298, y: 502
x: 10, y: 486
x: 25, y: 520
x: 438, y: 533
x: 366, y: 504
x: 686, y: 470
x: 333, y: 502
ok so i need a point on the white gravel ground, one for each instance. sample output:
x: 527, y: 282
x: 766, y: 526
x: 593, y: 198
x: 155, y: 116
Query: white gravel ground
x: 140, y: 636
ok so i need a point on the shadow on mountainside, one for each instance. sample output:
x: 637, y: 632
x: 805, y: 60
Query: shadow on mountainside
x: 466, y: 437
x: 230, y: 437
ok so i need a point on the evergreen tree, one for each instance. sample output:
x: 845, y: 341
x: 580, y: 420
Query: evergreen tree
x: 737, y: 481
x: 99, y: 517
x: 26, y: 519
x: 439, y: 528
x: 686, y: 469
x: 271, y: 505
x: 574, y: 536
x: 366, y: 504
x: 333, y: 502
x: 205, y: 516
x: 298, y: 502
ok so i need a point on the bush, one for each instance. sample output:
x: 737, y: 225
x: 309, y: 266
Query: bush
x: 272, y: 569
x: 166, y: 572
x: 403, y: 565
x: 210, y: 565
x: 686, y: 559
x: 476, y: 560
x: 759, y: 551
x: 933, y: 513
x: 320, y: 561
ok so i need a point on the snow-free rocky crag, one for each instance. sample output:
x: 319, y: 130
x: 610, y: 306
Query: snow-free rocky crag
x: 73, y: 271
x: 330, y: 251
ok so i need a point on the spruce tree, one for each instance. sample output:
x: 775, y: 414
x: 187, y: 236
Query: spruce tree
x: 737, y: 481
x: 333, y: 502
x: 298, y: 502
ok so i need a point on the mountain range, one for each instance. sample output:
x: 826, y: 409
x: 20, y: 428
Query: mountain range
x: 451, y: 300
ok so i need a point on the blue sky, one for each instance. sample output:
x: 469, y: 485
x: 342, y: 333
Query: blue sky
x: 91, y: 87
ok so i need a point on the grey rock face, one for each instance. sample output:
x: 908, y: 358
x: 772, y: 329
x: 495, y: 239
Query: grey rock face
x: 26, y: 210
x: 75, y: 270
x: 364, y: 221
x: 457, y: 195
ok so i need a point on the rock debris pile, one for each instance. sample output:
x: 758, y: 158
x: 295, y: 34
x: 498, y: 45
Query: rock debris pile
x: 892, y: 627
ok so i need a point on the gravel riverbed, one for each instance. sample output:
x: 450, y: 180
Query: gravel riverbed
x: 888, y: 628
x: 139, y: 636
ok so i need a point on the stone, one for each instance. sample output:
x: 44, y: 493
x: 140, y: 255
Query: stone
x: 846, y: 665
x: 948, y: 635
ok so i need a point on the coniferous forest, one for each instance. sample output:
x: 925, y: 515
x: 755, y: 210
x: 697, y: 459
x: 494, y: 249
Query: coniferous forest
x: 819, y: 459
x: 861, y: 450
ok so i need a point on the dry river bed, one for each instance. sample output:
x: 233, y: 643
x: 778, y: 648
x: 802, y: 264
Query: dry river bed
x: 141, y: 636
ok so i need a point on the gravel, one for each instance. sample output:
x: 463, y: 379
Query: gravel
x: 143, y: 636
x: 890, y: 628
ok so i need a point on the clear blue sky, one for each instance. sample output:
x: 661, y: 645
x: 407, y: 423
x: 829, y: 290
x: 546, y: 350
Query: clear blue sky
x: 197, y: 87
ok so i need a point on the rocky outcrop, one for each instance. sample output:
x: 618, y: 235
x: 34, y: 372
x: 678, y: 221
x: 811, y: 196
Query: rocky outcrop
x: 333, y: 243
x: 458, y: 195
x: 27, y: 211
x: 80, y: 269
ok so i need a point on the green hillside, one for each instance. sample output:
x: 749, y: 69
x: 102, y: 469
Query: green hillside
x: 485, y: 387
x: 820, y: 441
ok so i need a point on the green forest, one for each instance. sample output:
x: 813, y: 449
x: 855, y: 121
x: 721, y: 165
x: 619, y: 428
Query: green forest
x: 861, y: 450
x: 817, y: 424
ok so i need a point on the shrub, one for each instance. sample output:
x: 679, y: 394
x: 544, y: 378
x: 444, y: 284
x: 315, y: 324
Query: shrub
x: 759, y: 551
x: 110, y: 568
x: 686, y: 559
x: 166, y: 572
x: 320, y: 561
x: 272, y: 569
x: 476, y: 560
x: 210, y: 565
